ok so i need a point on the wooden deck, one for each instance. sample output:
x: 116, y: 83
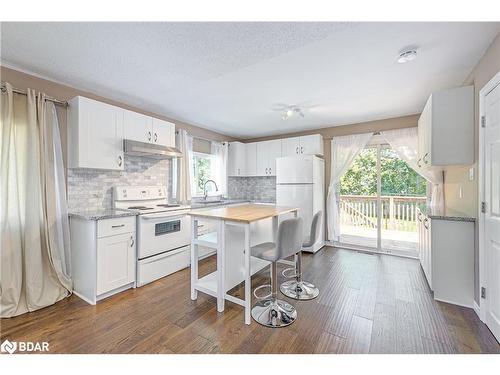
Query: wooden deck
x: 396, y: 242
x: 367, y: 304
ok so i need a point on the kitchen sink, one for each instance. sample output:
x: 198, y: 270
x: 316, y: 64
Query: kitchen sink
x: 211, y: 202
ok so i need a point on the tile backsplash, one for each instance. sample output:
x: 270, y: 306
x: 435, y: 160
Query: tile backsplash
x: 90, y: 189
x: 260, y: 189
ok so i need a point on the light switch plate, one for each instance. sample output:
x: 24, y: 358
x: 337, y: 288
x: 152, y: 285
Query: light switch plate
x: 471, y: 174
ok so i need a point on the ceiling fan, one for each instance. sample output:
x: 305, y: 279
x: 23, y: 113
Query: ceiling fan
x: 288, y: 111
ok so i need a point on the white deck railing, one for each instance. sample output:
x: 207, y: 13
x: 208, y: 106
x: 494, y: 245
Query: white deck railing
x: 398, y: 212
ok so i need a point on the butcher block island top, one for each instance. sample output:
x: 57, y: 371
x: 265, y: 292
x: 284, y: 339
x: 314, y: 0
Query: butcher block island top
x: 246, y: 213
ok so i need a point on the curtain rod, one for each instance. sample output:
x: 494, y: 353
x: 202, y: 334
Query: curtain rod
x: 22, y: 92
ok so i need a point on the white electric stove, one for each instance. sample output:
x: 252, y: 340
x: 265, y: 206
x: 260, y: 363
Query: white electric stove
x: 163, y: 230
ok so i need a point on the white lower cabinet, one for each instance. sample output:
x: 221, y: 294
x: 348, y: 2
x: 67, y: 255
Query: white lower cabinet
x: 115, y: 262
x: 446, y: 253
x: 103, y: 256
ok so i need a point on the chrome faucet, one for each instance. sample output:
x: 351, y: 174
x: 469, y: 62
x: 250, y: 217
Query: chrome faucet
x: 205, y: 188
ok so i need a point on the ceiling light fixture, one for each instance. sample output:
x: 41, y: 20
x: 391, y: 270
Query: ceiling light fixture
x: 287, y: 113
x: 407, y: 55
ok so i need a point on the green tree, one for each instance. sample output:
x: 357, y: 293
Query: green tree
x: 396, y: 175
x: 202, y: 171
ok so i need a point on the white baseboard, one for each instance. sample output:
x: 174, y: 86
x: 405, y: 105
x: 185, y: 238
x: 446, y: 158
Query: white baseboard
x: 471, y: 306
x: 477, y: 309
x: 90, y: 302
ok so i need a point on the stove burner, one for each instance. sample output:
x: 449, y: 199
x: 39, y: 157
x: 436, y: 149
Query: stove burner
x: 140, y: 208
x: 169, y: 205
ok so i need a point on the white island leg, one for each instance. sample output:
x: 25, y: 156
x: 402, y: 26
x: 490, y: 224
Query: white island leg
x: 194, y: 257
x: 248, y: 276
x: 221, y: 260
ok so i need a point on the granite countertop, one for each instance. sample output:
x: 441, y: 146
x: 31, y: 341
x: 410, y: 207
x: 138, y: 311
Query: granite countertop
x: 99, y: 214
x: 446, y: 214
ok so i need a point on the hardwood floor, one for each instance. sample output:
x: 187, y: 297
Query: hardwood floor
x: 367, y: 304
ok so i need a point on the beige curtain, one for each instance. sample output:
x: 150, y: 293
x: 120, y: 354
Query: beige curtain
x: 185, y: 145
x: 34, y: 233
x: 405, y: 143
x: 220, y: 152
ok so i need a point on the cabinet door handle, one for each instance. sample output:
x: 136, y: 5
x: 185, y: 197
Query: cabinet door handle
x: 301, y: 150
x: 296, y: 150
x: 269, y: 170
x: 149, y: 136
x: 418, y: 163
x: 156, y: 137
x: 425, y: 161
x: 118, y: 226
x: 425, y: 221
x: 120, y: 161
x: 132, y: 242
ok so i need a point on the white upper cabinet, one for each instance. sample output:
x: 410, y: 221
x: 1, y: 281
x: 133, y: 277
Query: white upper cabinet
x: 137, y: 127
x: 236, y: 159
x: 291, y: 146
x: 163, y: 133
x: 305, y: 145
x: 259, y: 158
x: 148, y: 129
x: 96, y: 132
x: 251, y: 159
x: 267, y: 153
x: 95, y: 135
x: 311, y: 144
x: 446, y: 129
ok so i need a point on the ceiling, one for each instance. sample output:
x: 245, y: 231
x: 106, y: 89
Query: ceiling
x: 230, y: 77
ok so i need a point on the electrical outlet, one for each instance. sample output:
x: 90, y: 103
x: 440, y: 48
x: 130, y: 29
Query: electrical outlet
x: 471, y: 174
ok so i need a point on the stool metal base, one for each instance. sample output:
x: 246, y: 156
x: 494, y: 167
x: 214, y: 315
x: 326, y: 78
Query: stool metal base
x: 274, y: 313
x: 301, y: 290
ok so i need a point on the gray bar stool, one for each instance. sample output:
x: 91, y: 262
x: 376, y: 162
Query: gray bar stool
x: 270, y: 311
x: 298, y: 289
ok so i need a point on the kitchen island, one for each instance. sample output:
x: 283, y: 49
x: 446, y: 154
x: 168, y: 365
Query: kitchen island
x: 237, y: 229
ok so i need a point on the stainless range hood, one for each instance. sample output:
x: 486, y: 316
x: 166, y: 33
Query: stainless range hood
x: 150, y: 150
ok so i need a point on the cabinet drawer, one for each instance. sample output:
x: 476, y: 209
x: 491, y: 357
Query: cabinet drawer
x: 161, y: 265
x: 119, y: 225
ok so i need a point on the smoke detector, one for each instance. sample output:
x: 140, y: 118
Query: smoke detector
x: 407, y: 55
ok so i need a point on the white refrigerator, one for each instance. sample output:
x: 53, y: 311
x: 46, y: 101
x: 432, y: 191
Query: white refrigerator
x: 300, y: 182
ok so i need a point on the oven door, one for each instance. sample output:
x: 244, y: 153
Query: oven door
x: 162, y: 232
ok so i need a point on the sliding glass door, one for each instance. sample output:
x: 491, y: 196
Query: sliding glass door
x: 378, y: 199
x: 358, y: 202
x: 402, y: 190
